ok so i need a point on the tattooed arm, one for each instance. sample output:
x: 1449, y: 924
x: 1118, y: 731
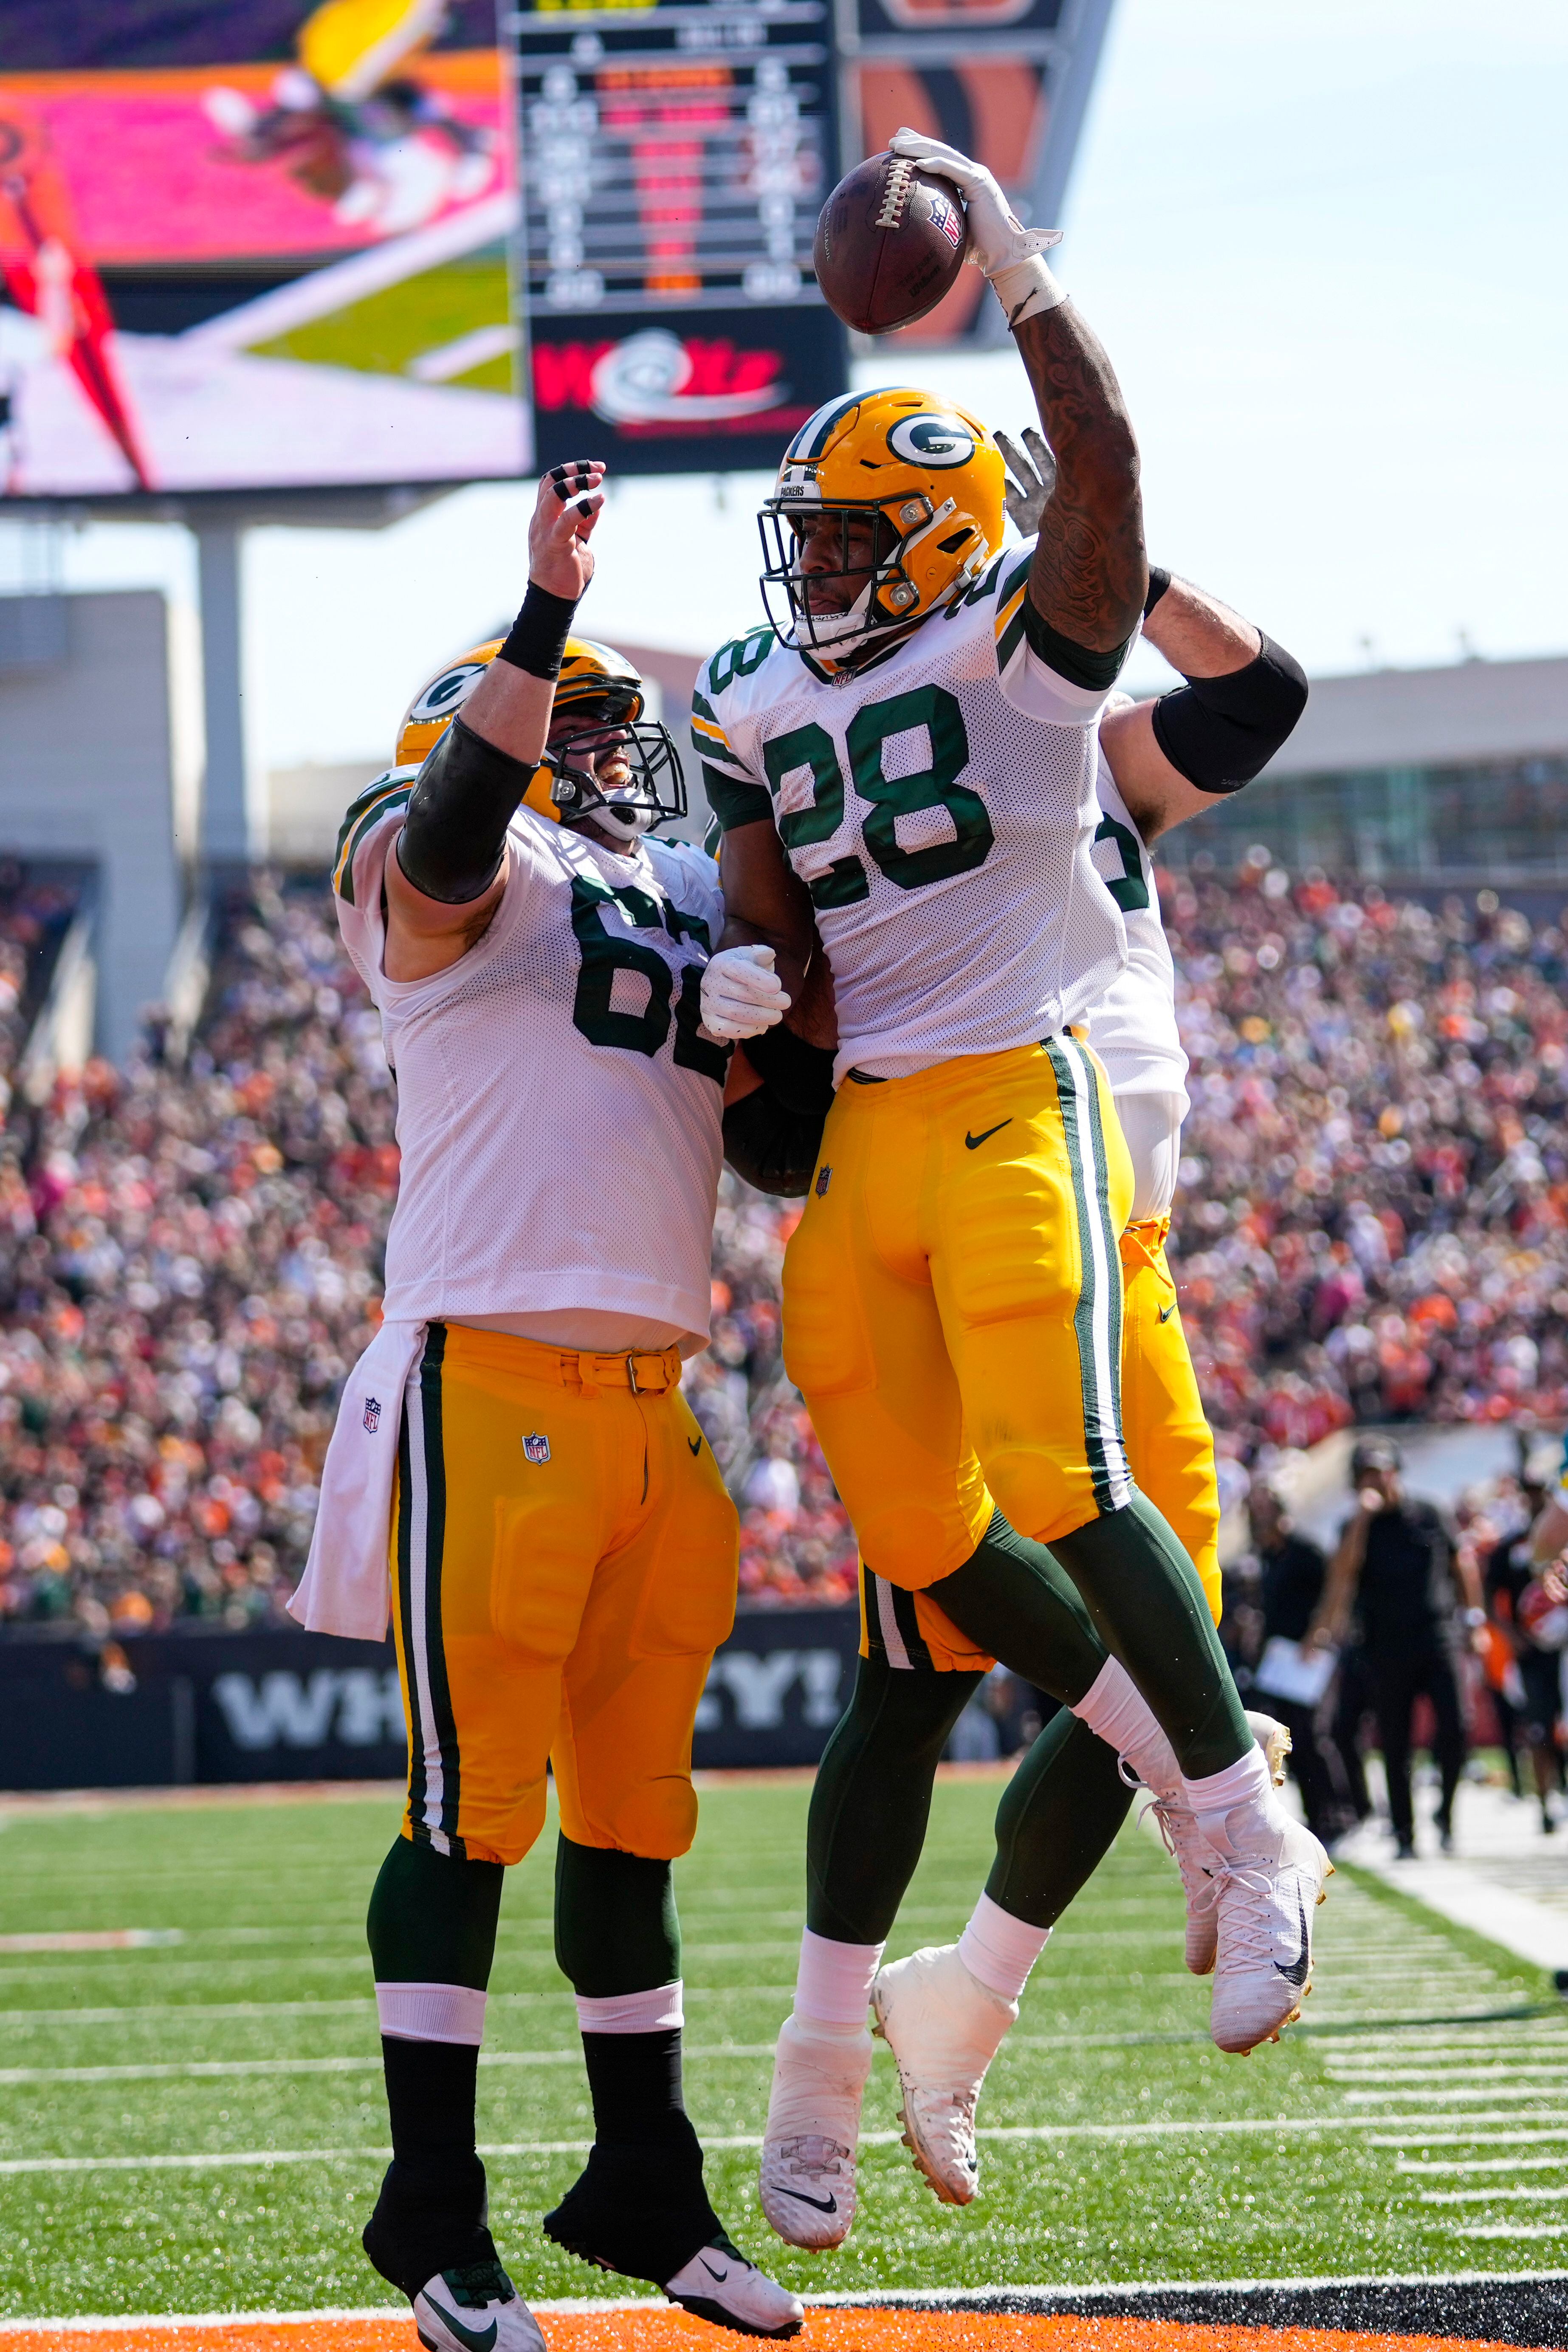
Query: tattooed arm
x: 1089, y: 576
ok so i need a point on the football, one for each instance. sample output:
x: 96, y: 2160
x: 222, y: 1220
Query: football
x: 890, y: 240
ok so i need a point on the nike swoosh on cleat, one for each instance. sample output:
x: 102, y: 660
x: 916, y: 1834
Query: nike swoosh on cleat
x: 1296, y: 1973
x: 974, y: 1142
x: 695, y: 1443
x: 821, y: 2204
x: 1166, y: 1312
x: 477, y: 2339
x: 720, y: 2275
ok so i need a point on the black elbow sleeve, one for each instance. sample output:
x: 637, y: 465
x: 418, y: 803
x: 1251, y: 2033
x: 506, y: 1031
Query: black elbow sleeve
x: 798, y: 1076
x: 464, y: 798
x: 771, y: 1146
x: 1221, y: 732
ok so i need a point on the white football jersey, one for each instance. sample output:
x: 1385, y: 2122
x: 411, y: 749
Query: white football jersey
x: 1132, y: 1028
x: 558, y: 1103
x: 939, y: 805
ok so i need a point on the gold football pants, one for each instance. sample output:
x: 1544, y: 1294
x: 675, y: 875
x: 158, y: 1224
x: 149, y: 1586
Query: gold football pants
x: 952, y: 1305
x: 1170, y: 1449
x: 563, y: 1559
x: 1169, y: 1444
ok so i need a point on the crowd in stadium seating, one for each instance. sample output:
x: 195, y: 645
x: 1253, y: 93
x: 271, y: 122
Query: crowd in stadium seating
x: 1371, y: 1226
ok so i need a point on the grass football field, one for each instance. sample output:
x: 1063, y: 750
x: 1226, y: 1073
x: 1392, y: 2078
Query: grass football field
x: 191, y: 2115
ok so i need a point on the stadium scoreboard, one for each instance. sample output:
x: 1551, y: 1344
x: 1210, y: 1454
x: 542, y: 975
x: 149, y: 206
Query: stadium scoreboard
x: 675, y: 156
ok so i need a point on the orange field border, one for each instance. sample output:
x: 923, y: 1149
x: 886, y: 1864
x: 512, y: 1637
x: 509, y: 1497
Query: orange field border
x: 657, y: 2329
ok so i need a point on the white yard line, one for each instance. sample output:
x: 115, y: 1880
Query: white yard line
x: 1472, y: 2164
x: 207, y: 2069
x: 1195, y: 2127
x: 1493, y: 2196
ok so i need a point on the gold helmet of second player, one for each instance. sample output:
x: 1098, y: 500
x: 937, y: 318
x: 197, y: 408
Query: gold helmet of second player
x: 603, y: 759
x: 922, y: 473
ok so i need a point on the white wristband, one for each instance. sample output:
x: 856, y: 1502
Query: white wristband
x: 1024, y: 288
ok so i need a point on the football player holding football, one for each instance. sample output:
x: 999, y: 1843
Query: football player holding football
x: 562, y: 1551
x: 944, y: 2013
x: 909, y: 764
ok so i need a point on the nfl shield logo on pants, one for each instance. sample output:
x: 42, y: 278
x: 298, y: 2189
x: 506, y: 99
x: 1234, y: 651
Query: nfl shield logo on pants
x: 537, y: 1448
x: 372, y: 1414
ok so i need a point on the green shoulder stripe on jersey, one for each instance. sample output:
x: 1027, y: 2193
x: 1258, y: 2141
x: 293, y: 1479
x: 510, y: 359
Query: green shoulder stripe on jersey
x: 364, y: 816
x: 1011, y: 637
x: 1016, y: 577
x: 707, y: 737
x: 733, y: 801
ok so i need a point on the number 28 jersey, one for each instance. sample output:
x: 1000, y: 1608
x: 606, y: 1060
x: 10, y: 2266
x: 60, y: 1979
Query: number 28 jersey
x: 939, y: 805
x: 558, y: 1102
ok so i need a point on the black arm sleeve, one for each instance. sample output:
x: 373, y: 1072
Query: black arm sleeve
x: 464, y: 798
x: 773, y: 1135
x: 798, y: 1076
x: 771, y: 1146
x: 1220, y: 732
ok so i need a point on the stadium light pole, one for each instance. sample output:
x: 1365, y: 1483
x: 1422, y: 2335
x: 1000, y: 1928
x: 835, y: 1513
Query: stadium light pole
x: 226, y: 833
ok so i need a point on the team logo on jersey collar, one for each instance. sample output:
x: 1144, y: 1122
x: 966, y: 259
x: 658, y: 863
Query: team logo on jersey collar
x: 928, y: 440
x: 536, y: 1448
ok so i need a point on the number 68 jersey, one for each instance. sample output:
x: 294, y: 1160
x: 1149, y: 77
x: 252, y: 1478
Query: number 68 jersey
x: 939, y: 803
x: 558, y: 1102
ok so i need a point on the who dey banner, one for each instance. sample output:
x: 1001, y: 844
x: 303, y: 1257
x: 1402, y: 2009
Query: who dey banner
x: 305, y: 1706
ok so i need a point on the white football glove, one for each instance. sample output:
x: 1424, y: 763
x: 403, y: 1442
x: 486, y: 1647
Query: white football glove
x: 999, y: 244
x: 741, y: 994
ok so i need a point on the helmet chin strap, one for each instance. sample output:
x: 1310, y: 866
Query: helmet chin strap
x: 625, y: 820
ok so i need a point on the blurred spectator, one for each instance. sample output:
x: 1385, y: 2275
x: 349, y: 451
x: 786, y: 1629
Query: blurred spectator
x: 1290, y: 1576
x: 1396, y: 1569
x: 1374, y: 1213
x: 1526, y: 1622
x: 1375, y: 1185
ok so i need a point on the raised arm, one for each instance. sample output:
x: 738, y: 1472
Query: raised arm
x: 1089, y: 577
x: 1175, y: 756
x: 446, y: 871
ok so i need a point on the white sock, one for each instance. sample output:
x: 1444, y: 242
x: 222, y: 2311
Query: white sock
x: 833, y: 1986
x: 1246, y: 1779
x: 999, y: 1949
x: 431, y: 2012
x: 1116, y: 1709
x: 653, y: 2011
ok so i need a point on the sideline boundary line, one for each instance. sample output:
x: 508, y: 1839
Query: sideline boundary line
x: 1525, y: 2308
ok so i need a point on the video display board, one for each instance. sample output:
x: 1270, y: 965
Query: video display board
x: 676, y: 155
x: 251, y: 245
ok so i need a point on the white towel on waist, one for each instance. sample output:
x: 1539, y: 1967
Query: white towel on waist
x: 347, y: 1585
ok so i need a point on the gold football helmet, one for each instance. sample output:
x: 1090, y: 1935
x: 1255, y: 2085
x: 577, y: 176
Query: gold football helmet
x: 598, y: 711
x: 932, y: 478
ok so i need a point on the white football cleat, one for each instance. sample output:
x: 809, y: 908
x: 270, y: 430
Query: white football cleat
x: 1177, y: 1824
x: 1269, y: 1871
x: 944, y: 2027
x: 476, y: 2309
x: 720, y: 2284
x: 807, y: 2177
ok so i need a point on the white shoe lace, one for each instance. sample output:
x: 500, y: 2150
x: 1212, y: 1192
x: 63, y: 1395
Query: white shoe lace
x: 1249, y: 1932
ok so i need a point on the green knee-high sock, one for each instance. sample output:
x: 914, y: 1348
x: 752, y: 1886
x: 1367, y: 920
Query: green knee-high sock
x: 432, y: 1924
x: 1012, y: 1599
x: 1057, y: 1822
x: 639, y: 2205
x: 616, y: 1927
x: 1148, y: 1606
x: 872, y: 1798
